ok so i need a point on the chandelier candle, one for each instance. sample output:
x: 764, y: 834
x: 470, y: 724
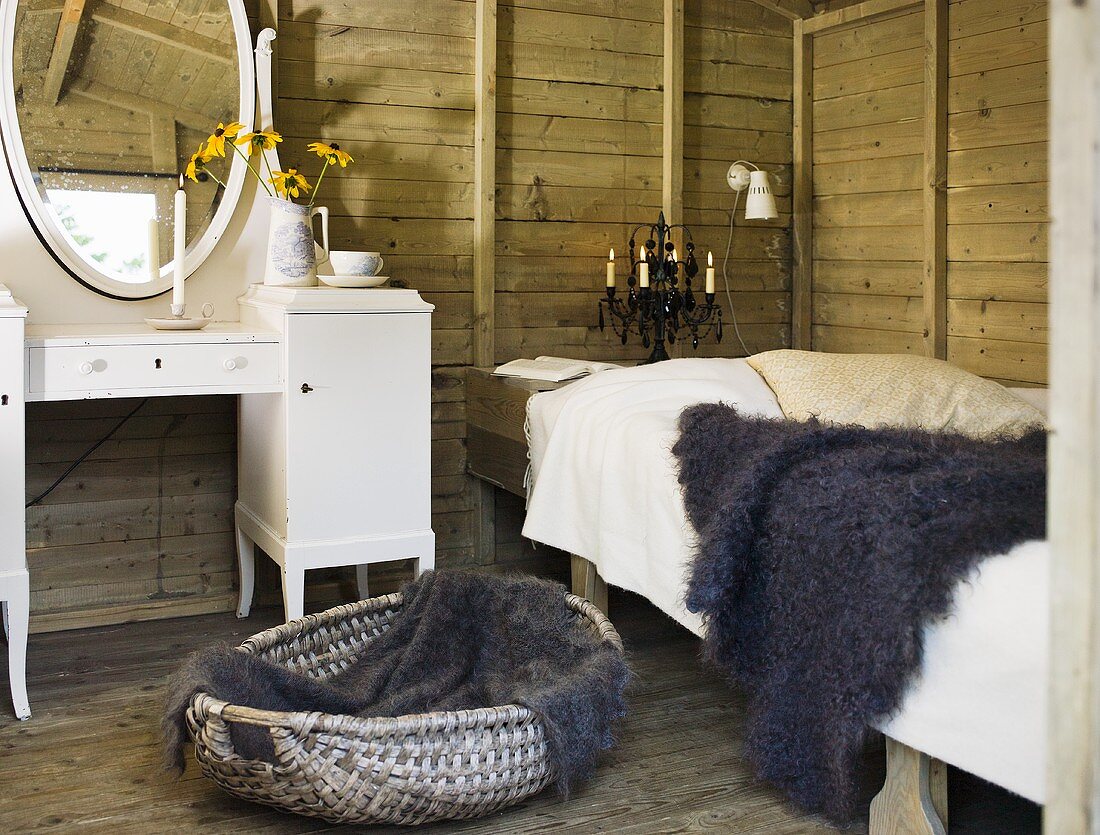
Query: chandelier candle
x: 659, y: 306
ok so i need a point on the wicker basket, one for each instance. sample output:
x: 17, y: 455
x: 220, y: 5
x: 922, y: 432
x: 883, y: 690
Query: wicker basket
x: 406, y: 770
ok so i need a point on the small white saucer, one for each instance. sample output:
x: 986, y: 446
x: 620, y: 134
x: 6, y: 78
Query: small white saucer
x: 181, y: 324
x: 353, y: 280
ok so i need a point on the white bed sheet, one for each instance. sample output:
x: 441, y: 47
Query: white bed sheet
x: 604, y: 487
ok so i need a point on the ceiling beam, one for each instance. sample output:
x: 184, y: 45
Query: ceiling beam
x: 114, y: 97
x: 63, y: 42
x: 790, y: 9
x: 166, y: 33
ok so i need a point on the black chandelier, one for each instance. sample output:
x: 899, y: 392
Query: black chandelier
x: 656, y: 307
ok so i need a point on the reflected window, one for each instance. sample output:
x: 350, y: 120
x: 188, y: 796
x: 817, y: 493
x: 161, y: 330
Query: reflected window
x: 105, y: 227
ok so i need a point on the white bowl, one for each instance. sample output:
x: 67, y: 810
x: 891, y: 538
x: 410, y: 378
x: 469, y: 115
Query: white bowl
x: 353, y: 280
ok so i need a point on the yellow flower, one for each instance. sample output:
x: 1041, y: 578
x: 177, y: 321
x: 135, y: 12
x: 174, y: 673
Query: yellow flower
x: 196, y: 164
x: 331, y: 152
x: 290, y: 183
x: 259, y: 140
x: 215, y: 143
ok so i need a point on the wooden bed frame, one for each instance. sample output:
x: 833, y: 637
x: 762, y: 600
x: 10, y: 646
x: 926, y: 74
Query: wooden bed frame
x: 913, y: 800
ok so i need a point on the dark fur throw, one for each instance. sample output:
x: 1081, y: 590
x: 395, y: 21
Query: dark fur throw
x: 824, y: 551
x: 461, y: 641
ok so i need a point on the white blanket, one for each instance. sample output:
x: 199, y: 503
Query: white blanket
x: 605, y: 488
x: 603, y: 476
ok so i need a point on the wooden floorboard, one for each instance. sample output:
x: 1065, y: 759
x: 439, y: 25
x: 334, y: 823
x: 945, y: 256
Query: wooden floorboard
x: 89, y: 760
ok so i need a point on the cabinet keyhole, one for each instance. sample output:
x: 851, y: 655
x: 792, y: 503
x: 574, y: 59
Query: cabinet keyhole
x: 3, y: 400
x: 156, y: 362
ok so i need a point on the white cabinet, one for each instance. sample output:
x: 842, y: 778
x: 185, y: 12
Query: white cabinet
x: 334, y: 428
x: 337, y: 469
x: 14, y: 580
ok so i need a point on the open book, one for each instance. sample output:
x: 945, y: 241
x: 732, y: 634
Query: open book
x: 551, y: 369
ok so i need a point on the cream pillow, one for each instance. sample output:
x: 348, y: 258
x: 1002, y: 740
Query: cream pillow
x: 892, y: 390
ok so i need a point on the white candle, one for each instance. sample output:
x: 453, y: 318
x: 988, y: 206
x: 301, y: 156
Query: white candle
x: 643, y: 268
x: 154, y: 249
x: 710, y: 272
x: 611, y: 269
x: 180, y: 245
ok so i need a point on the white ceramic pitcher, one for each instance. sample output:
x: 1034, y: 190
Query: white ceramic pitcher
x: 292, y: 253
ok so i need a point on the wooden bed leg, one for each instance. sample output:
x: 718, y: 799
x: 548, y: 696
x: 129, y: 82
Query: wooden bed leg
x: 587, y: 583
x: 913, y: 800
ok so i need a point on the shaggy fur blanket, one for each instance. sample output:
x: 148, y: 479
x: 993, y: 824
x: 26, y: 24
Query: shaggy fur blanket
x: 461, y: 641
x: 823, y: 553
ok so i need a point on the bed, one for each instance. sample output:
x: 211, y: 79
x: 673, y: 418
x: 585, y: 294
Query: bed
x: 604, y: 488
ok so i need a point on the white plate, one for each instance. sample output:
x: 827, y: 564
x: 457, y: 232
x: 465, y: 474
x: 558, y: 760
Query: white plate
x: 353, y: 280
x: 174, y: 324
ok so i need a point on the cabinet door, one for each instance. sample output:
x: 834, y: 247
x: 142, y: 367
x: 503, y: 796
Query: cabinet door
x: 13, y: 541
x: 359, y: 437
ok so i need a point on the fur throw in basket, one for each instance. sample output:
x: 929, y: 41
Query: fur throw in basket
x: 462, y: 641
x: 824, y: 551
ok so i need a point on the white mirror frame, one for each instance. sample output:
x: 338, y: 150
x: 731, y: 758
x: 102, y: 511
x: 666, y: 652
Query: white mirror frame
x: 44, y: 225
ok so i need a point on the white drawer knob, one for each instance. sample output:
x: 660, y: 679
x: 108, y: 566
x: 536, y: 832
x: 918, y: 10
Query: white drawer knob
x: 85, y: 367
x: 229, y: 364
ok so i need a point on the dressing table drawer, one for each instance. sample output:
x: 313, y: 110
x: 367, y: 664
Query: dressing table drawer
x: 116, y: 370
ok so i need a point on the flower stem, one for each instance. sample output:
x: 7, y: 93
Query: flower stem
x: 250, y: 168
x: 267, y: 165
x: 210, y: 174
x: 317, y: 185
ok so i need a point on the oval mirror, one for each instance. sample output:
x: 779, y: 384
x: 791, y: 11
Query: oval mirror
x: 104, y: 103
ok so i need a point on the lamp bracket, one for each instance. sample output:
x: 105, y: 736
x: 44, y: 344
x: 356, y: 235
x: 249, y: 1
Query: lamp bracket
x: 738, y: 177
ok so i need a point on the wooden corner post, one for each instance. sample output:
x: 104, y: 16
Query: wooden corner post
x: 672, y: 180
x: 485, y: 141
x: 935, y: 179
x: 1073, y: 524
x: 802, y: 256
x: 485, y: 184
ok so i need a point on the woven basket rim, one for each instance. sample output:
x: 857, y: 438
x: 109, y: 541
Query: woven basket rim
x: 430, y: 722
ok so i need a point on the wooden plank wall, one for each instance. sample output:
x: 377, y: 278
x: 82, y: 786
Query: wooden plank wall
x: 868, y: 139
x: 867, y: 212
x: 997, y: 188
x: 579, y: 159
x: 144, y: 530
x: 144, y: 527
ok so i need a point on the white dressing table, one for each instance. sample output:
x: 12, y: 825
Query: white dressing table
x: 334, y: 426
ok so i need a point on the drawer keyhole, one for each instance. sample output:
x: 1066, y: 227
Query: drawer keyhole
x: 156, y: 362
x: 3, y: 400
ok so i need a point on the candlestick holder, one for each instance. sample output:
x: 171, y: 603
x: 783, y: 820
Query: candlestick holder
x: 179, y: 322
x: 659, y: 311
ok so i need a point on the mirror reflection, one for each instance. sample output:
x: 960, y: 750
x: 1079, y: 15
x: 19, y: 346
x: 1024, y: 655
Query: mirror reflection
x: 112, y: 96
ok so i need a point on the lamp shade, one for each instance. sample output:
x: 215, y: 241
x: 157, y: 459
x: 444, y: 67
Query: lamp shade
x: 760, y: 204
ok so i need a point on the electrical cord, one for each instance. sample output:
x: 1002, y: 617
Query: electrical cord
x: 726, y: 279
x: 84, y: 456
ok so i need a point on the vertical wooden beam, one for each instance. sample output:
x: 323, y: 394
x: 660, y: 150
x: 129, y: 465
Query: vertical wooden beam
x: 162, y: 135
x: 1073, y: 524
x: 485, y: 140
x: 935, y: 178
x: 672, y: 179
x: 485, y: 132
x: 64, y: 40
x: 803, y: 195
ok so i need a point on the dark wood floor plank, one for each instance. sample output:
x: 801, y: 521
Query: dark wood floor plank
x: 90, y: 757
